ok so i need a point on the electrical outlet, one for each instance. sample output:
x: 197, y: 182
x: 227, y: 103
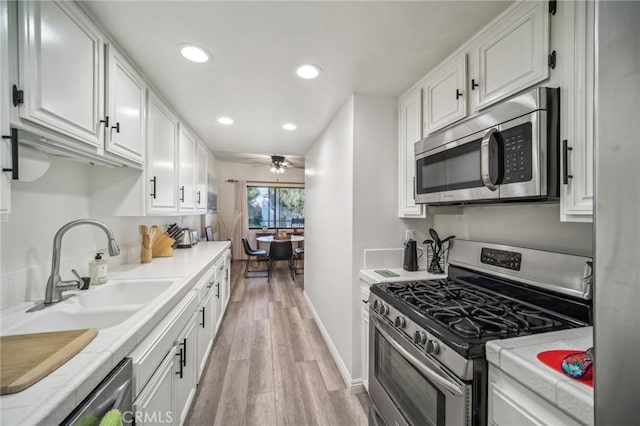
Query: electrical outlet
x: 408, y: 234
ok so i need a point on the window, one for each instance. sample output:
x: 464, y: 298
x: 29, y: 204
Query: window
x: 275, y: 207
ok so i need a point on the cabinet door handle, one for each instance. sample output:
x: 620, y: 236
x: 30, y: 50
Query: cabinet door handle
x: 182, y: 194
x: 181, y: 372
x: 474, y: 84
x: 117, y: 127
x: 210, y: 284
x: 414, y: 188
x: 202, y: 310
x: 365, y: 301
x: 218, y: 290
x: 198, y: 197
x: 105, y: 121
x: 15, y: 163
x: 458, y: 94
x: 565, y: 162
x: 154, y: 181
x: 184, y: 355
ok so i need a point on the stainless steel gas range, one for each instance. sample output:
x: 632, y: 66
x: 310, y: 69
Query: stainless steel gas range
x: 427, y: 362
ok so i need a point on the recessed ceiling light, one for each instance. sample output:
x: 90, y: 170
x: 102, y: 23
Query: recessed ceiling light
x: 289, y: 126
x: 225, y: 120
x: 308, y: 71
x: 194, y: 53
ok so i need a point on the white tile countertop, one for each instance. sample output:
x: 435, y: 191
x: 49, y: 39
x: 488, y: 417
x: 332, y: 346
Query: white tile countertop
x: 517, y: 357
x: 51, y: 399
x: 391, y: 260
x: 370, y: 276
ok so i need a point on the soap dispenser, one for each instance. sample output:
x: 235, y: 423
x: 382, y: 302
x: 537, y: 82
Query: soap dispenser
x: 98, y: 270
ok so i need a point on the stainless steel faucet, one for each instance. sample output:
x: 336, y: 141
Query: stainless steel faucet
x: 55, y: 285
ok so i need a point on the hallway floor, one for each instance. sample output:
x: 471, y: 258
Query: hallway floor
x: 269, y: 364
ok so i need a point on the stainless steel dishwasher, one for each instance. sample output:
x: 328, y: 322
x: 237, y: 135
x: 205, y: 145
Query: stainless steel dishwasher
x: 114, y: 392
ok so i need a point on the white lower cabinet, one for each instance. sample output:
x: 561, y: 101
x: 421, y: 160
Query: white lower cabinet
x: 510, y: 403
x: 185, y: 370
x: 155, y: 405
x: 205, y: 327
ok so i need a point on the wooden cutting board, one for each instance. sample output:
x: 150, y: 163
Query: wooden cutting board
x: 27, y: 358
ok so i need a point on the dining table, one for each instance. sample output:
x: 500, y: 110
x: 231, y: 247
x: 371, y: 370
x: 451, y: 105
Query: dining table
x: 270, y: 239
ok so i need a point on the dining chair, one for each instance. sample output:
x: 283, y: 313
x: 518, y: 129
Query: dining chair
x: 299, y: 256
x: 280, y: 250
x: 251, y: 252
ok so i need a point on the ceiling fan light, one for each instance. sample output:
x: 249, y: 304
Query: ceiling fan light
x: 273, y: 169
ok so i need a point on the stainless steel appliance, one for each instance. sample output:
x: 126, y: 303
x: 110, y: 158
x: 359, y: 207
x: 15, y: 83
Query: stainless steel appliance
x: 185, y: 239
x: 410, y: 260
x: 115, y: 392
x: 426, y: 338
x: 508, y: 153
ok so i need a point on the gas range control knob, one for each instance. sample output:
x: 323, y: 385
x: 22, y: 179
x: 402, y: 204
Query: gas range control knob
x: 400, y: 322
x: 419, y: 337
x: 432, y: 347
x: 384, y: 309
x: 376, y: 304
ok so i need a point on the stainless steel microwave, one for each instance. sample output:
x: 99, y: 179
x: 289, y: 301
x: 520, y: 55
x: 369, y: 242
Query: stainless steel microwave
x: 507, y: 153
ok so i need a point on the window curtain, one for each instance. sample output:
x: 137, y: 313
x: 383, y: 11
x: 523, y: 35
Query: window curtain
x: 240, y: 226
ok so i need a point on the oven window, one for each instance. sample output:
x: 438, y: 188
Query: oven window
x: 456, y: 168
x: 417, y: 399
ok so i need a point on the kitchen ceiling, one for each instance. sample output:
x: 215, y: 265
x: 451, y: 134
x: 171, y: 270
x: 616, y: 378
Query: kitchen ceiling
x: 374, y: 48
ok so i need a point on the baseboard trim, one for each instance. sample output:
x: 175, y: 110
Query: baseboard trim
x: 353, y: 385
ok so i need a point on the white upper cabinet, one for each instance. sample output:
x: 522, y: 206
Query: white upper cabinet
x: 162, y: 164
x: 410, y: 132
x: 511, y: 55
x: 5, y: 128
x: 201, y: 177
x: 444, y: 92
x: 61, y: 70
x: 186, y: 180
x: 126, y: 91
x: 577, y: 123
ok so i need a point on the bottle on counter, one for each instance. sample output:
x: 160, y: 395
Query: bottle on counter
x: 98, y: 270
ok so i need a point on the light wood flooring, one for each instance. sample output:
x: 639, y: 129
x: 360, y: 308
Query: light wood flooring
x: 269, y: 364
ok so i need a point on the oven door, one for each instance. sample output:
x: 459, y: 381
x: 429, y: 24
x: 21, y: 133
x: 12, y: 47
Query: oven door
x: 407, y: 387
x: 452, y: 173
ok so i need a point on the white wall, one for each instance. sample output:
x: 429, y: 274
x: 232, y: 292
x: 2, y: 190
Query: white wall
x: 329, y: 229
x: 527, y: 225
x: 39, y: 209
x: 351, y: 187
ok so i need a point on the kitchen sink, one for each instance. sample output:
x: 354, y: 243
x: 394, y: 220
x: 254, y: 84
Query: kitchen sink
x: 122, y: 292
x: 44, y: 321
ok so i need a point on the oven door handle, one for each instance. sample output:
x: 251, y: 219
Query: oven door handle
x: 451, y: 386
x: 485, y: 159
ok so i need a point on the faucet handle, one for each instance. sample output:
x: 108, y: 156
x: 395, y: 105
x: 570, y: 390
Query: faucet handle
x: 83, y: 282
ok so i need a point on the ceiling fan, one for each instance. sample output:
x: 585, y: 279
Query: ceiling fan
x: 279, y: 164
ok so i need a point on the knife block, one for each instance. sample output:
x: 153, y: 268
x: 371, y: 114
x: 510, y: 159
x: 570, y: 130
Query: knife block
x: 162, y: 246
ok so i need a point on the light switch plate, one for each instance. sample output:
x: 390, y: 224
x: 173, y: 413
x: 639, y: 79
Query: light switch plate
x: 408, y: 234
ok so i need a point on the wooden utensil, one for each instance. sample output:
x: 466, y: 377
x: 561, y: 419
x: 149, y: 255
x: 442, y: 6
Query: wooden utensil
x: 145, y: 250
x: 27, y: 358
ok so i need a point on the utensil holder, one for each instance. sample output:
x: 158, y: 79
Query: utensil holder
x: 437, y: 262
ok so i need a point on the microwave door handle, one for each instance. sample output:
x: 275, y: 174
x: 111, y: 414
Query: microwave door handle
x: 485, y: 160
x: 451, y: 386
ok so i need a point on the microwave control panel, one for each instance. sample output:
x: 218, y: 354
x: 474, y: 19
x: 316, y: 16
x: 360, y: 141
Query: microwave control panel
x: 503, y: 259
x: 518, y: 155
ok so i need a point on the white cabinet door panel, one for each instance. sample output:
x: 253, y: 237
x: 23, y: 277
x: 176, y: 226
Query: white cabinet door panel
x: 186, y: 170
x: 62, y: 70
x: 155, y: 405
x: 185, y: 380
x: 126, y: 91
x: 365, y: 348
x: 5, y: 128
x: 445, y: 95
x: 410, y: 132
x: 204, y: 324
x: 162, y: 165
x: 201, y: 177
x: 513, y: 54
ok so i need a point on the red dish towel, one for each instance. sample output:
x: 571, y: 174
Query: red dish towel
x: 554, y: 359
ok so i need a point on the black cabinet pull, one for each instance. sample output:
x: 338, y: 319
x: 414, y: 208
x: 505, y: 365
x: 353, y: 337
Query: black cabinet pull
x: 218, y: 290
x: 458, y: 94
x: 365, y: 301
x: 474, y: 84
x: 414, y: 187
x: 181, y: 372
x: 182, y: 194
x: 202, y: 310
x: 210, y: 284
x: 565, y: 162
x: 198, y: 197
x: 154, y: 181
x: 15, y: 163
x: 105, y: 121
x: 117, y: 127
x: 184, y: 347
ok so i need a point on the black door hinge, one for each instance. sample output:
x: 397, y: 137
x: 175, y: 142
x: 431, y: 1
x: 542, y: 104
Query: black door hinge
x: 552, y: 60
x: 18, y: 96
x: 553, y: 6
